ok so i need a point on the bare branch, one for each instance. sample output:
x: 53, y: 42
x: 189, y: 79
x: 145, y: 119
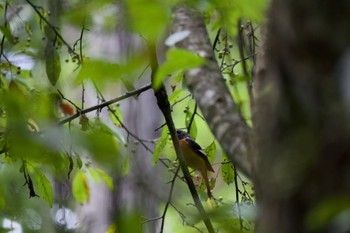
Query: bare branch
x: 169, y: 199
x: 107, y: 103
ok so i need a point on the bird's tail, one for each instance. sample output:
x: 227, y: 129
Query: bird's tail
x: 206, y: 182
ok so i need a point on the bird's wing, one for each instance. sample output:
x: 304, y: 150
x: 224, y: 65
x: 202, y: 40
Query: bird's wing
x: 200, y: 152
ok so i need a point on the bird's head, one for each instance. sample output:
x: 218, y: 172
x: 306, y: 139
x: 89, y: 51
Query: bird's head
x: 181, y: 134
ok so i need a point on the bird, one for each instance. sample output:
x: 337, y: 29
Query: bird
x: 195, y: 157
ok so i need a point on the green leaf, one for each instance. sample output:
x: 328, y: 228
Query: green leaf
x: 79, y: 162
x: 211, y: 151
x: 231, y: 11
x: 193, y: 130
x: 130, y: 221
x: 128, y: 84
x: 178, y: 77
x: 103, y: 145
x: 6, y: 230
x: 107, y: 179
x: 140, y: 12
x: 53, y: 64
x: 175, y: 95
x: 160, y: 145
x: 94, y: 175
x: 6, y: 31
x: 98, y: 174
x: 28, y: 29
x: 227, y: 171
x: 81, y: 190
x: 44, y: 187
x: 2, y: 198
x: 126, y: 166
x: 333, y: 209
x: 177, y: 60
x: 111, y: 130
x: 98, y: 71
x: 112, y: 228
x: 49, y: 33
x: 117, y: 116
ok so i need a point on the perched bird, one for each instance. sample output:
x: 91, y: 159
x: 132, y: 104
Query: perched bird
x: 195, y: 157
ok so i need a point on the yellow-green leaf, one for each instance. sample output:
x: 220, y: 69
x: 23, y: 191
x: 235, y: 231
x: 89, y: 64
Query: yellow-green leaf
x: 28, y: 29
x: 160, y: 144
x: 147, y: 17
x: 98, y: 71
x: 81, y: 191
x: 117, y: 116
x: 177, y: 60
x: 175, y: 95
x: 94, y: 174
x: 98, y: 174
x: 228, y: 173
x: 211, y: 151
x: 107, y: 179
x: 112, y: 229
x: 44, y: 187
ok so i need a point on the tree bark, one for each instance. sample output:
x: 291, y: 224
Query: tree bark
x: 303, y: 153
x: 210, y: 90
x: 300, y: 165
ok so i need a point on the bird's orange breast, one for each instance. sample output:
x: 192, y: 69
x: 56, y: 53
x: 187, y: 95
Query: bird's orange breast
x: 191, y: 158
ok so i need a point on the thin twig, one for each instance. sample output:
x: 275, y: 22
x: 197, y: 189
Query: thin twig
x: 82, y: 95
x: 180, y: 100
x: 142, y: 72
x: 81, y: 43
x: 252, y: 46
x: 237, y: 198
x: 53, y: 28
x: 63, y: 97
x: 160, y: 127
x: 245, y: 192
x: 216, y: 40
x: 183, y: 217
x: 241, y: 47
x: 169, y: 199
x: 107, y: 103
x: 129, y: 133
x: 226, y: 51
x: 152, y: 219
x: 192, y: 118
x: 123, y: 126
x: 2, y: 54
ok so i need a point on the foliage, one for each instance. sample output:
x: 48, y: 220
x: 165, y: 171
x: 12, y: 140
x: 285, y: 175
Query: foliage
x: 49, y: 74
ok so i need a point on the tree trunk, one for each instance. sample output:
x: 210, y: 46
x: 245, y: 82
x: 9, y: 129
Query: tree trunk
x: 302, y: 177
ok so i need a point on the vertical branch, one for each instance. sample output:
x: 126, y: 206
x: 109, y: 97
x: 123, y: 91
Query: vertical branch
x: 2, y: 54
x: 164, y: 106
x: 216, y: 40
x: 169, y: 199
x: 241, y: 46
x: 192, y: 118
x: 237, y: 197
